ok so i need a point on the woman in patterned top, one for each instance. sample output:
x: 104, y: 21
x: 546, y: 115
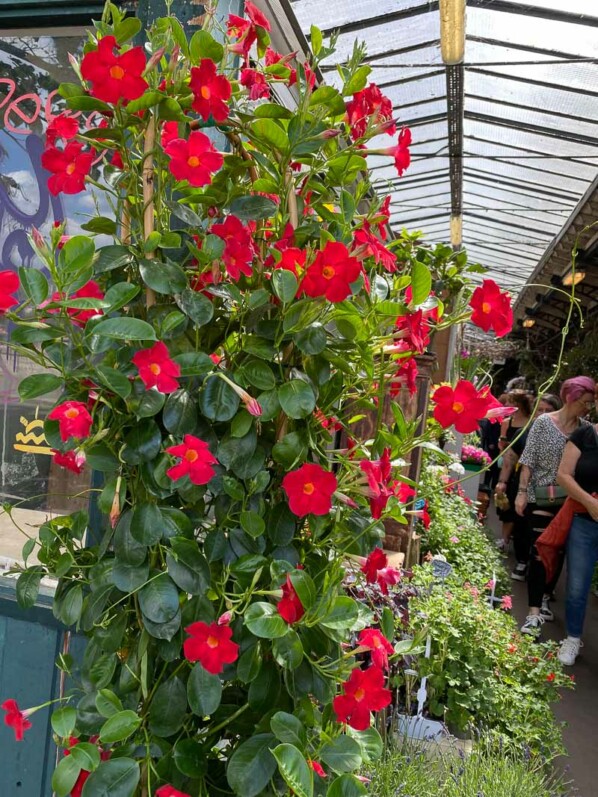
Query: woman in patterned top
x: 540, y: 463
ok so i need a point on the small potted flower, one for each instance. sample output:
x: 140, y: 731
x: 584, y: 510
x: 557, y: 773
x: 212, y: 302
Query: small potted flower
x: 473, y: 460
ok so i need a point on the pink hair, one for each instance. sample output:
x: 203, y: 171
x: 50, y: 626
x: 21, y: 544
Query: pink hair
x: 573, y: 389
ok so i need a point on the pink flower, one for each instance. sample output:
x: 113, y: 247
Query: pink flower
x: 506, y: 603
x: 454, y: 539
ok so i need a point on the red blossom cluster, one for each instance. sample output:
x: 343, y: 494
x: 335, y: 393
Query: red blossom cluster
x: 363, y: 693
x: 376, y: 570
x: 491, y: 309
x: 239, y: 248
x: 369, y: 106
x: 246, y: 31
x: 332, y: 273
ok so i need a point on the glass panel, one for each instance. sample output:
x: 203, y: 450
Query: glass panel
x: 547, y: 121
x: 529, y: 95
x: 480, y: 193
x: 583, y: 7
x: 31, y: 68
x: 505, y: 231
x: 433, y: 193
x: 336, y: 13
x: 398, y: 67
x: 529, y: 31
x: 421, y: 29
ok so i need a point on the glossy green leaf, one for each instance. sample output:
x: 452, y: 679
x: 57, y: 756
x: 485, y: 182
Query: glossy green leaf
x: 251, y: 765
x: 218, y: 401
x: 288, y: 650
x: 289, y: 729
x: 202, y: 45
x: 120, y: 294
x: 284, y: 284
x: 252, y: 523
x: 294, y: 769
x: 107, y: 703
x: 169, y: 708
x: 187, y: 566
x: 190, y: 758
x: 346, y: 786
x: 65, y: 776
x: 111, y: 257
x: 195, y: 305
x: 161, y: 277
x: 254, y: 207
x: 117, y: 777
x: 342, y: 754
x: 28, y: 587
x: 297, y: 398
x: 263, y: 620
x: 342, y: 615
x: 125, y: 329
x: 126, y: 547
x: 119, y: 726
x: 180, y: 413
x: 114, y: 380
x: 63, y: 721
x: 34, y: 283
x: 204, y: 691
x: 159, y: 599
x: 421, y: 282
x: 86, y: 755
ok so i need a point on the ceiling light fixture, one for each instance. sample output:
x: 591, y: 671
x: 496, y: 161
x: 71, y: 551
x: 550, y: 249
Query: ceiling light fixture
x: 452, y: 31
x: 573, y: 277
x: 528, y: 323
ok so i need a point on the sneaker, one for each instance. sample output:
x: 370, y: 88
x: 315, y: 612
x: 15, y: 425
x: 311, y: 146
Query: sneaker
x: 501, y: 546
x: 569, y: 651
x: 545, y: 611
x: 533, y: 625
x: 519, y: 571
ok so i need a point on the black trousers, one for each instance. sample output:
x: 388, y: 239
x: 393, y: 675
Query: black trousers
x: 537, y: 520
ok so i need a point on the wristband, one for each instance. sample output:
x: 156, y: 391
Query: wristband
x: 522, y: 490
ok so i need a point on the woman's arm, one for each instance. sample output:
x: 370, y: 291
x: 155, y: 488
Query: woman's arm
x: 566, y: 478
x: 502, y: 440
x: 521, y: 500
x: 508, y: 464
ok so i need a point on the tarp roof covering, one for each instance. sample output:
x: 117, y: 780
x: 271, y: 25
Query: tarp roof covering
x: 509, y: 138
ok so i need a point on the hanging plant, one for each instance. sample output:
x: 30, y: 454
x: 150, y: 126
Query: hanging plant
x: 248, y: 306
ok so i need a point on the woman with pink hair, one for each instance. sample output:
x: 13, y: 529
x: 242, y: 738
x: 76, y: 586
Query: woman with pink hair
x: 539, y: 498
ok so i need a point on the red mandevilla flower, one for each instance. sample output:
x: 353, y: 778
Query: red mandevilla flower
x: 317, y: 768
x: 91, y: 290
x: 363, y: 692
x: 73, y: 419
x: 70, y: 460
x: 170, y: 132
x: 114, y: 77
x: 369, y: 246
x: 239, y: 249
x: 9, y: 283
x: 332, y: 273
x: 194, y: 159
x: 369, y: 103
x: 463, y: 406
x: 15, y: 719
x: 69, y: 166
x: 196, y: 460
x: 405, y: 376
x: 309, y: 490
x: 170, y: 791
x: 402, y: 155
x: 376, y: 560
x: 256, y: 16
x: 491, y: 309
x: 211, y: 91
x: 377, y: 644
x: 210, y: 645
x: 289, y: 606
x: 156, y: 369
x: 62, y: 126
x: 414, y: 329
x: 256, y: 83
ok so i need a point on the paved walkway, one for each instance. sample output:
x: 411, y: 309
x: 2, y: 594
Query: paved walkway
x: 579, y: 706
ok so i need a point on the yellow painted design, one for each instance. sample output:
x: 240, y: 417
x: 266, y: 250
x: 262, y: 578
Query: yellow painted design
x: 32, y: 442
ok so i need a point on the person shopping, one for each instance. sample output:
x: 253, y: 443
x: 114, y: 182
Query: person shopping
x: 539, y: 498
x: 578, y: 475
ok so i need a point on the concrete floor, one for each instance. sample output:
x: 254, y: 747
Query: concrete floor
x: 578, y: 707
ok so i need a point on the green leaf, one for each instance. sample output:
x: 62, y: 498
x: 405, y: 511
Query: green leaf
x: 128, y: 578
x: 329, y: 97
x: 86, y: 755
x: 119, y: 295
x: 294, y: 769
x: 68, y: 605
x: 370, y: 742
x: 142, y: 443
x: 63, y: 721
x: 291, y: 450
x: 252, y: 523
x: 297, y: 399
x: 126, y: 548
x: 162, y: 277
x: 159, y: 599
x: 251, y: 765
x: 342, y: 615
x: 114, y: 380
x: 190, y: 758
x: 270, y: 132
x: 421, y: 282
x: 111, y: 257
x: 344, y: 786
x: 387, y: 623
x: 101, y: 225
x: 259, y: 374
x: 34, y: 284
x: 86, y: 103
x: 119, y: 726
x: 358, y: 81
x: 315, y: 39
x: 76, y: 255
x: 342, y: 754
x: 204, y: 691
x: 147, y: 100
x: 180, y: 413
x: 127, y: 29
x: 311, y: 340
x: 218, y: 401
x: 282, y: 524
x: 28, y: 587
x: 304, y: 587
x: 194, y: 363
x: 288, y: 651
x: 253, y: 208
x: 263, y: 620
x: 125, y: 329
x: 284, y: 284
x: 195, y: 305
x: 38, y: 385
x: 146, y: 524
x: 67, y: 90
x: 202, y: 45
x: 289, y: 729
x: 168, y: 708
x: 115, y: 778
x: 107, y: 703
x: 271, y: 110
x: 65, y: 776
x: 99, y: 457
x: 187, y: 566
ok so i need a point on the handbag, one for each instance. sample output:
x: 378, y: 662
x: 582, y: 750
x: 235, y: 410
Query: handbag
x: 550, y: 495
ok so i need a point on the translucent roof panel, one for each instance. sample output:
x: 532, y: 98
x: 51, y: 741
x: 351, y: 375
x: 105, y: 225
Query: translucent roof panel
x: 529, y: 146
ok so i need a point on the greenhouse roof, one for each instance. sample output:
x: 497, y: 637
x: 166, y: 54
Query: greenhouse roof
x: 507, y: 139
